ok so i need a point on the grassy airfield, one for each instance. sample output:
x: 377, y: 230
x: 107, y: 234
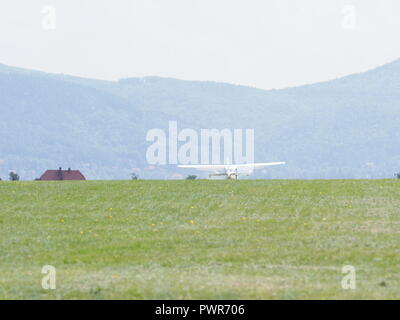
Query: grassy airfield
x: 200, y: 239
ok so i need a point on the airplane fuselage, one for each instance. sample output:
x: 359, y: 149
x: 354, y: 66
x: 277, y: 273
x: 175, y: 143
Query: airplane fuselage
x: 230, y: 171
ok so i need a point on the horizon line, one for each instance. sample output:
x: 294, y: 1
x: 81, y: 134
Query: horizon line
x: 23, y: 69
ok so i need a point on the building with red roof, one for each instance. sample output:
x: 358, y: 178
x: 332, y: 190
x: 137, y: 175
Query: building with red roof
x: 54, y: 175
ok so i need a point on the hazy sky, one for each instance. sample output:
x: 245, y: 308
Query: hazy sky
x: 262, y: 43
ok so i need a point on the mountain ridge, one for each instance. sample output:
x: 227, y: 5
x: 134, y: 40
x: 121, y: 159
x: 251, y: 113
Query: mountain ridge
x: 8, y: 68
x: 342, y: 128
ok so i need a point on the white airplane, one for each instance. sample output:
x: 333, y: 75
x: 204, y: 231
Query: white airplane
x: 230, y: 171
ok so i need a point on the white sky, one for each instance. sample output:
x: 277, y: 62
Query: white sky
x: 262, y: 43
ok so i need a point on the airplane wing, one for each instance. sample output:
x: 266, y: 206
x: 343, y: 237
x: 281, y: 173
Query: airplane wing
x: 219, y: 167
x: 205, y: 167
x: 259, y: 165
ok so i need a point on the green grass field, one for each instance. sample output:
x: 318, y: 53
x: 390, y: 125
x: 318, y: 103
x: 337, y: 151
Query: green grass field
x: 200, y: 239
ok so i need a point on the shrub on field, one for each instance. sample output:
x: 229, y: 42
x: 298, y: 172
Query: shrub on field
x: 134, y: 176
x: 14, y: 176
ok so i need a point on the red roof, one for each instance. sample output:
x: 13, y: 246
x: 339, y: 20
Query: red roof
x: 51, y: 175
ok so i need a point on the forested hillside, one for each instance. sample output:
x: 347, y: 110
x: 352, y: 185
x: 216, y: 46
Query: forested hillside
x: 345, y: 128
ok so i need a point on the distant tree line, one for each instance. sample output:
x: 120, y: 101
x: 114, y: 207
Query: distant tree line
x: 13, y: 176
